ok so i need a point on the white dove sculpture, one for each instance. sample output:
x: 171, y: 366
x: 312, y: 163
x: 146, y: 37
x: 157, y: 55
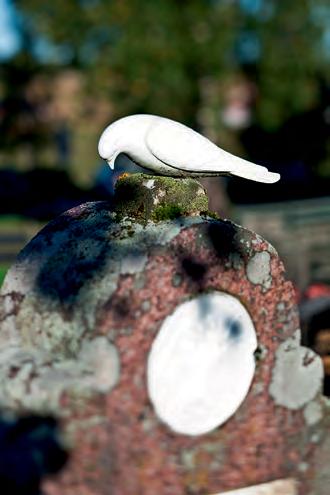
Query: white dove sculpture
x: 169, y: 148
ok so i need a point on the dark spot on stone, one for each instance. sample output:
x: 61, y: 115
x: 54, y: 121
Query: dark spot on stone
x: 140, y: 209
x: 308, y: 359
x: 71, y: 263
x: 222, y: 237
x: 13, y: 370
x: 234, y: 328
x: 121, y: 307
x: 141, y: 416
x: 30, y: 449
x: 193, y: 269
x: 16, y: 298
x: 258, y: 354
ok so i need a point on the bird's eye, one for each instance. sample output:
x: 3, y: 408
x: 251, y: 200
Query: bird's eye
x: 202, y: 363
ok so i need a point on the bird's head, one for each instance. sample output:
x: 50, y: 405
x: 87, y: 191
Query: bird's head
x: 109, y: 145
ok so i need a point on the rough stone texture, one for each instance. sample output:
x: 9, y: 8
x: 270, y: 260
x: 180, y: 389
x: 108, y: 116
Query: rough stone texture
x: 321, y: 482
x: 158, y: 198
x: 79, y: 311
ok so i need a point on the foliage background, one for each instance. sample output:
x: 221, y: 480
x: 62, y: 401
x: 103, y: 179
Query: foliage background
x: 252, y: 75
x: 173, y: 58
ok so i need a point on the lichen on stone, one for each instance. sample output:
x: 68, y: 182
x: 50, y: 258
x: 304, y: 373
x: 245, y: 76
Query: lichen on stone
x: 33, y: 380
x: 258, y: 270
x: 297, y: 375
x: 77, y: 262
x: 313, y: 413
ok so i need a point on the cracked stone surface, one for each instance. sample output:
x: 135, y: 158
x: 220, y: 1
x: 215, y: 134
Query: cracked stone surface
x: 79, y: 311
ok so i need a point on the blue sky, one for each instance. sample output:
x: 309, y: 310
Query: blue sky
x: 9, y: 34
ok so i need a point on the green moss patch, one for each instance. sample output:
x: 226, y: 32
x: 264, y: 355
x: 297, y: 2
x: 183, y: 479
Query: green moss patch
x: 157, y: 198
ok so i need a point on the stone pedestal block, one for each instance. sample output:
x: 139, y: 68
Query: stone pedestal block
x: 87, y: 313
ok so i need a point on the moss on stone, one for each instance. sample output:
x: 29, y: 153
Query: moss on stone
x: 167, y: 212
x: 157, y: 198
x: 211, y: 214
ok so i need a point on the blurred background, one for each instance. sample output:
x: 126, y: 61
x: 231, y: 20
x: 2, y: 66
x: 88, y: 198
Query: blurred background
x: 252, y: 75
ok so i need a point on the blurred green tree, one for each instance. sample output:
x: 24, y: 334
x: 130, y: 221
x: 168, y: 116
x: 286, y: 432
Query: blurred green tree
x: 20, y: 121
x: 154, y: 55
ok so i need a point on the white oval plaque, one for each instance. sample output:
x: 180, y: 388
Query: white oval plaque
x: 201, y: 363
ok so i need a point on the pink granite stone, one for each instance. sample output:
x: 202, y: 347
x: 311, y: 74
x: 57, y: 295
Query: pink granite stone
x: 85, y: 278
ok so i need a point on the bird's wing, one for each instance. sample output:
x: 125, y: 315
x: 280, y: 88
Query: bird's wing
x: 182, y: 148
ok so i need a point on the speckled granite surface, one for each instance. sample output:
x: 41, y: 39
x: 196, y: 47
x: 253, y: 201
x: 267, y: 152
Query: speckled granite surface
x: 79, y: 311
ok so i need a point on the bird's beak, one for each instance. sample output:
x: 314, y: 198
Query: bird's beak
x: 112, y: 160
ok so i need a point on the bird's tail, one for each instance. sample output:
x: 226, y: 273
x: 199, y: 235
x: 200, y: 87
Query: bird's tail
x: 256, y: 173
x: 251, y: 171
x: 225, y: 163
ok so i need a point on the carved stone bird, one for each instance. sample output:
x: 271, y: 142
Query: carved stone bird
x: 169, y: 148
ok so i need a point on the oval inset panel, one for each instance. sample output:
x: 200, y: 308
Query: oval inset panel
x: 201, y: 363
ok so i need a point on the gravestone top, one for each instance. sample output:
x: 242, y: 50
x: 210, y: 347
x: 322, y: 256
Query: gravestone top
x: 80, y: 312
x: 157, y: 198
